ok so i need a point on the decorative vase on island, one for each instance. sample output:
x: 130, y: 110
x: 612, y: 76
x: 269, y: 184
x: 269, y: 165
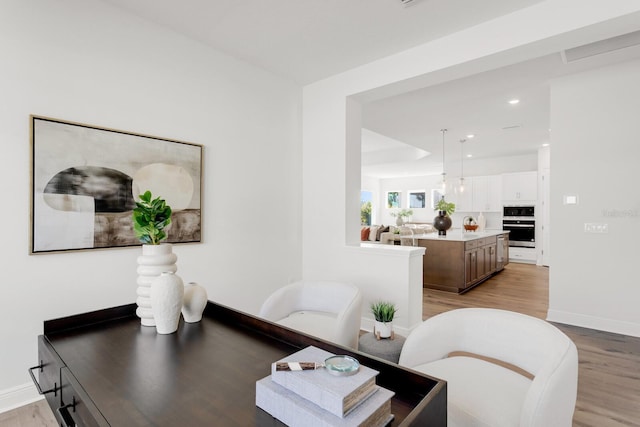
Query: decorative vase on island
x: 167, y: 293
x: 442, y: 223
x: 154, y: 260
x: 193, y: 302
x: 399, y: 221
x: 482, y: 222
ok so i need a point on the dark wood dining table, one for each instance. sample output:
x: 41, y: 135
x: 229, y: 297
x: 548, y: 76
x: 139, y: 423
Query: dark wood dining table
x: 104, y: 369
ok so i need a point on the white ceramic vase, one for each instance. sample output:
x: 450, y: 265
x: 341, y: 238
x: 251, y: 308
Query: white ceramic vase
x: 154, y: 260
x: 383, y: 329
x: 167, y: 292
x: 193, y: 302
x: 482, y: 222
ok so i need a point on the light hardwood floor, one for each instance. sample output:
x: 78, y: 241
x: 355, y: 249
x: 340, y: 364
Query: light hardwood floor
x: 609, y: 369
x: 37, y: 414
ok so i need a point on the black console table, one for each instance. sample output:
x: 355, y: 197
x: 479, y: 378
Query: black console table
x: 104, y: 369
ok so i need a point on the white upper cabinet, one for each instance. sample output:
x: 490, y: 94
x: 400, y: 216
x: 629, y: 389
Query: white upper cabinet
x: 520, y: 187
x: 463, y: 200
x: 487, y: 192
x: 481, y: 194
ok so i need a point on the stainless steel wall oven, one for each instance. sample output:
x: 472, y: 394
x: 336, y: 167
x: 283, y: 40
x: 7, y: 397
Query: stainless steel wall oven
x: 521, y: 223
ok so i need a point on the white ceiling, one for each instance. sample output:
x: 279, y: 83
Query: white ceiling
x: 474, y: 105
x: 308, y: 40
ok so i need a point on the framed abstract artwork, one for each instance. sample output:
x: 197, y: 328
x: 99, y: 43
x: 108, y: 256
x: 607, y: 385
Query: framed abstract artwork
x: 393, y: 199
x: 85, y: 181
x: 436, y: 196
x: 417, y: 199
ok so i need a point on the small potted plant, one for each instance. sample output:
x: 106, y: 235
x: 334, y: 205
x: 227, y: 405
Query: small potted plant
x: 401, y: 215
x: 383, y: 312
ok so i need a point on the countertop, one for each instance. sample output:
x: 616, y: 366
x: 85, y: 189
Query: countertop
x: 457, y: 235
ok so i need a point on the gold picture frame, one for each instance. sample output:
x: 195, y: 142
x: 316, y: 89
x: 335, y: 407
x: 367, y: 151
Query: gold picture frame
x: 85, y: 180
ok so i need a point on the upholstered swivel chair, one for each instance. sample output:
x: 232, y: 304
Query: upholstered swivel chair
x: 481, y: 393
x: 327, y: 310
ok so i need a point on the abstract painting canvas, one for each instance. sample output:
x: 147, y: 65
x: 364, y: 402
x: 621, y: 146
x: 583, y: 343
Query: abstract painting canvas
x: 417, y: 199
x: 436, y: 196
x: 85, y: 181
x: 393, y: 199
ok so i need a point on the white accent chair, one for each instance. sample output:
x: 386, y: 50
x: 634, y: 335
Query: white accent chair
x: 327, y: 310
x: 481, y: 393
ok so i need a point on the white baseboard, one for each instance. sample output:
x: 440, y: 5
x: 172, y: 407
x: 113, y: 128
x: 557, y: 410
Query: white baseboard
x: 15, y: 397
x: 593, y: 322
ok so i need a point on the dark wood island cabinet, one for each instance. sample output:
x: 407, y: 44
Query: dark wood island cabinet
x: 104, y: 369
x: 460, y: 261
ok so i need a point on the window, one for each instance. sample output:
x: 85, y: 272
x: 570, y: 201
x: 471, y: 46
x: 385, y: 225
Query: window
x: 366, y: 198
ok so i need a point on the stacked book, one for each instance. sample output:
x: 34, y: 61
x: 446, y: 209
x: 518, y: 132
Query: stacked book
x: 315, y: 397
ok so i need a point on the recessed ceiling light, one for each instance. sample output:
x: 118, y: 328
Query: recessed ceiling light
x: 470, y: 136
x: 514, y: 101
x: 545, y: 145
x: 469, y: 155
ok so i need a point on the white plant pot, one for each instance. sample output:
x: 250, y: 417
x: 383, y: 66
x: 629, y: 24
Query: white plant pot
x: 167, y: 292
x: 383, y: 330
x: 154, y: 260
x: 193, y: 302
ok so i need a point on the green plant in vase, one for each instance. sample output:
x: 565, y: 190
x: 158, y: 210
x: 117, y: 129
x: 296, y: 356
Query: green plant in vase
x: 150, y: 218
x: 443, y: 221
x: 383, y: 313
x: 402, y: 215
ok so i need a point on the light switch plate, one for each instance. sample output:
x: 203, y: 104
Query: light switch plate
x: 596, y: 227
x: 570, y: 199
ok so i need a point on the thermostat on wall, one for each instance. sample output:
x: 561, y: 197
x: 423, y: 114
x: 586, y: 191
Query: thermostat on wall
x: 570, y: 199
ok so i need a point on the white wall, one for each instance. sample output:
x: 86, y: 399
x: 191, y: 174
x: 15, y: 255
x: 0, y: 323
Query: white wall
x: 594, y: 155
x: 331, y: 111
x: 404, y: 186
x: 84, y: 61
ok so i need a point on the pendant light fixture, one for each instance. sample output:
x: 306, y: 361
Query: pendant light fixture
x: 444, y: 174
x: 461, y: 187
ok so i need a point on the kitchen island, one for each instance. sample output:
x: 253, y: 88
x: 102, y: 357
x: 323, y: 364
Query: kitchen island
x: 461, y: 260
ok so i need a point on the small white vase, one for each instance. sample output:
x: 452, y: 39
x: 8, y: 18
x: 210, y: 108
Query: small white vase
x: 193, y: 302
x: 482, y: 222
x: 167, y: 292
x: 383, y: 330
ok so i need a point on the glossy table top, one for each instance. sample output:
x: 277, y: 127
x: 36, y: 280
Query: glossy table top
x: 205, y: 373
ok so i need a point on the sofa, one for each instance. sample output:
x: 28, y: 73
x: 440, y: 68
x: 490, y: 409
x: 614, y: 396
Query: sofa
x: 392, y: 235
